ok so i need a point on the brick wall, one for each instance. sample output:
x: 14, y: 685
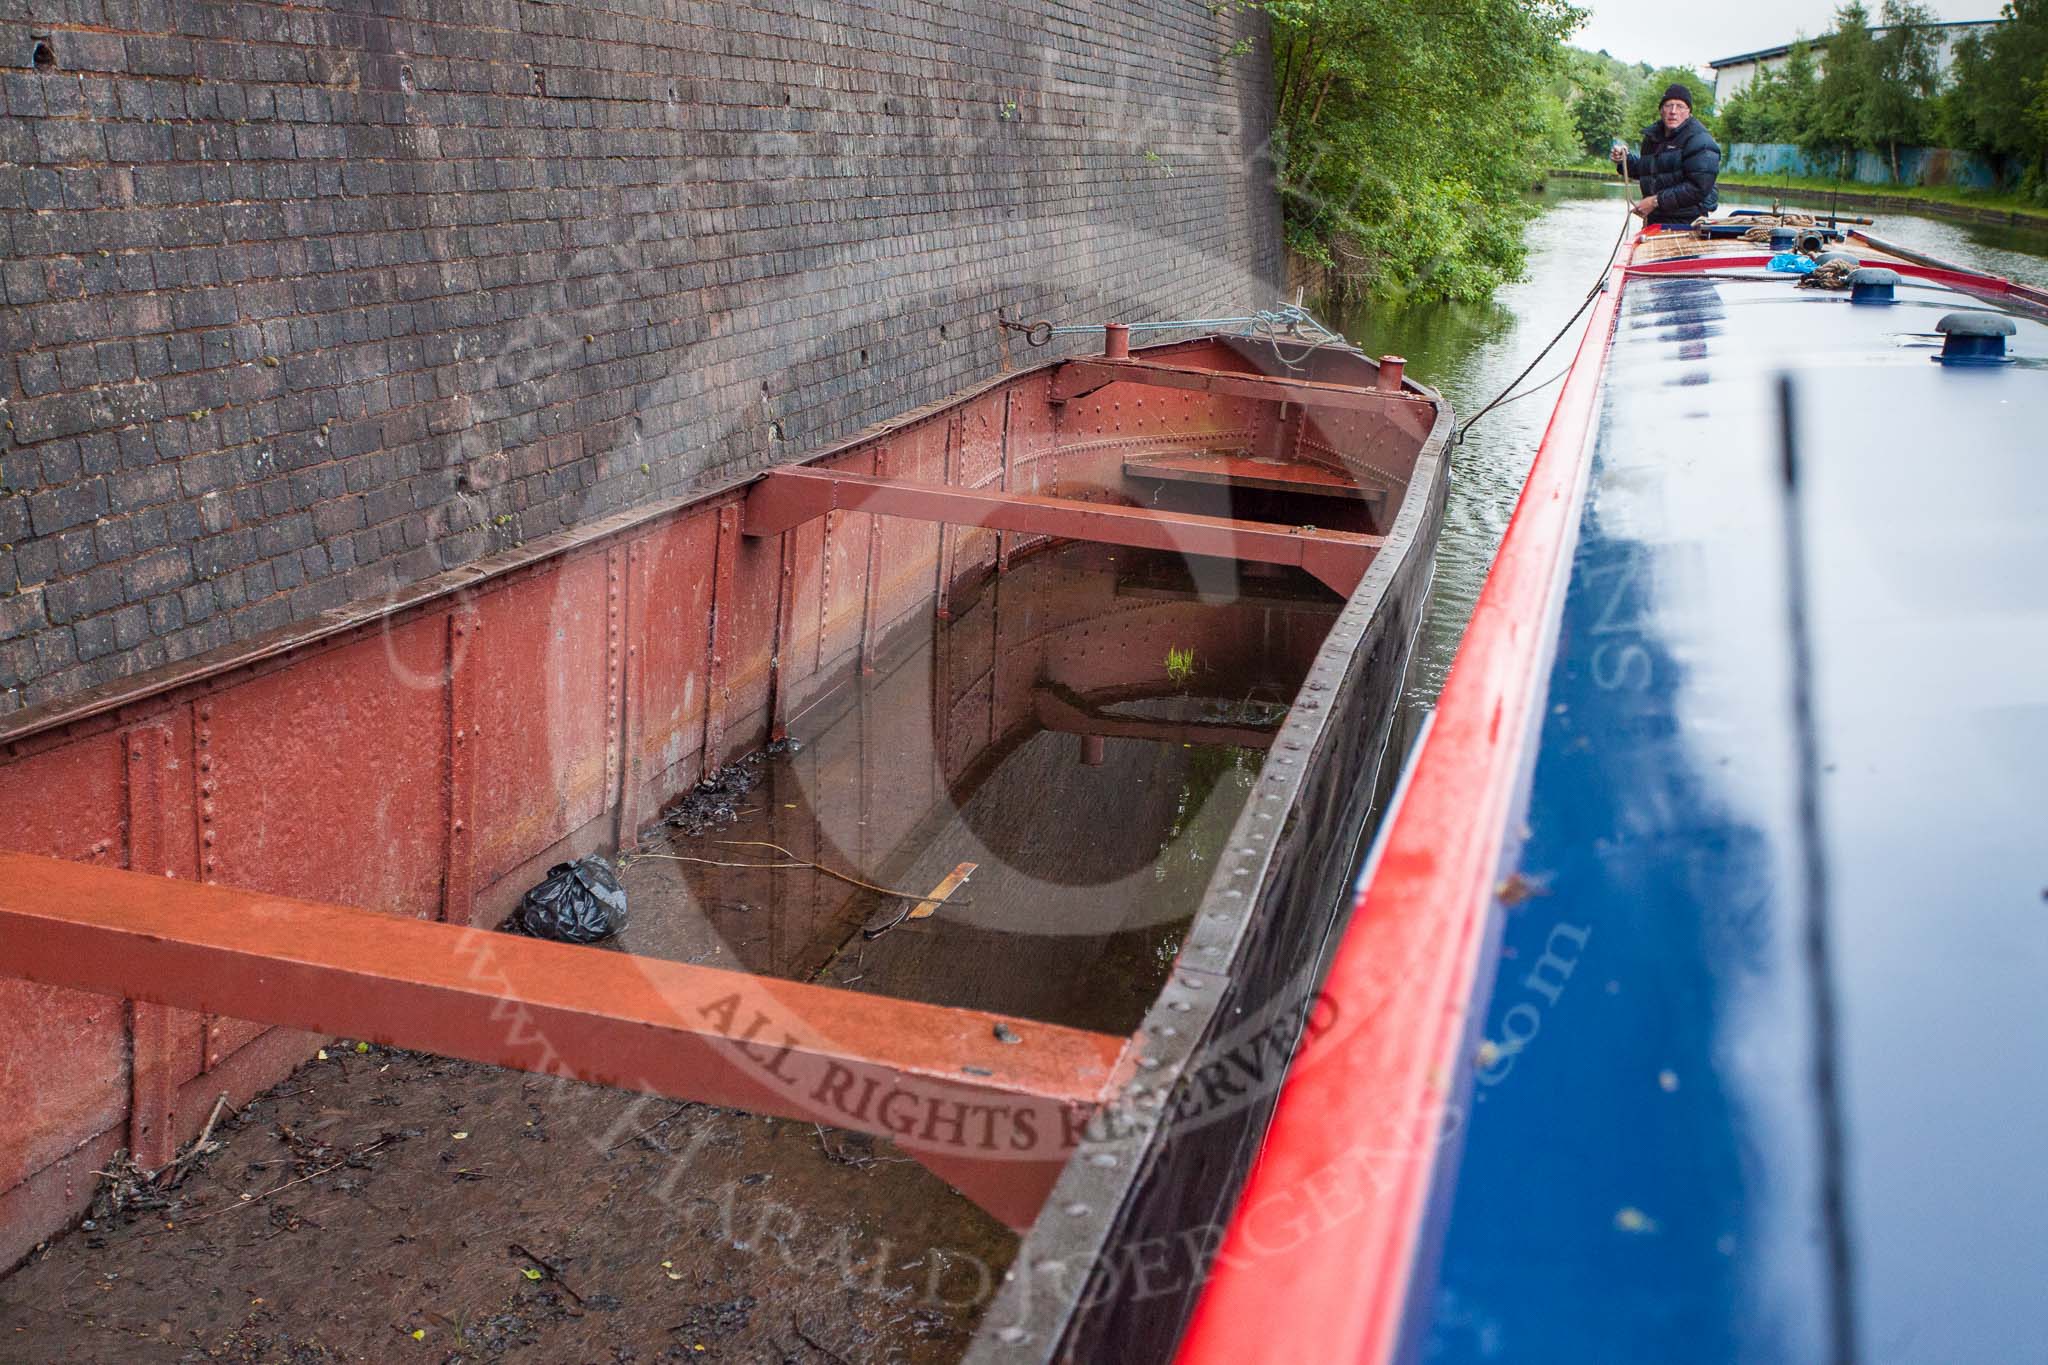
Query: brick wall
x: 303, y: 303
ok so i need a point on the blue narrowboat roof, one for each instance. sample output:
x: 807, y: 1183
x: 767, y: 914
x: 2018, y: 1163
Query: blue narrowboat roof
x: 1761, y: 1076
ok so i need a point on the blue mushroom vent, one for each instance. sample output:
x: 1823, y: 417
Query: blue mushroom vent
x: 1872, y: 284
x: 1974, y: 338
x: 1784, y: 238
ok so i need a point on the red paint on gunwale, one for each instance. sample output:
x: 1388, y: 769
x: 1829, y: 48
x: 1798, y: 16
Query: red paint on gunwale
x: 1332, y: 1215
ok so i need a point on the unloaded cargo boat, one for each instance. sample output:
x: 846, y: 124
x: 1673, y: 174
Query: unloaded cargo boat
x: 1691, y: 1008
x: 984, y: 790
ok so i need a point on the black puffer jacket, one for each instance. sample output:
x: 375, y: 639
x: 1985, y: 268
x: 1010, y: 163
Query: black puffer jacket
x: 1678, y: 167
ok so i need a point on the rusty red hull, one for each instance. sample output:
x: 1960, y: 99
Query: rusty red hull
x: 425, y: 757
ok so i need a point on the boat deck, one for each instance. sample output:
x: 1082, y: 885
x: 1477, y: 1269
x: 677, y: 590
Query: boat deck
x: 1703, y: 1003
x: 1715, y: 1121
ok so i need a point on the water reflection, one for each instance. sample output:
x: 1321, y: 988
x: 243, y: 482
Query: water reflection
x: 1470, y: 350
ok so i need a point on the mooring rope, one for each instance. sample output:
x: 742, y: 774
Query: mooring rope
x: 1599, y: 283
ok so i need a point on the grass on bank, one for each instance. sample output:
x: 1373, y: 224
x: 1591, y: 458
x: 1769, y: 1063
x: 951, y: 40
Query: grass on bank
x: 1815, y: 188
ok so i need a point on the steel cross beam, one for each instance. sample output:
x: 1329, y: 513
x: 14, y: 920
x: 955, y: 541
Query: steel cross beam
x: 1079, y: 378
x: 1063, y: 713
x: 793, y: 495
x: 997, y: 1119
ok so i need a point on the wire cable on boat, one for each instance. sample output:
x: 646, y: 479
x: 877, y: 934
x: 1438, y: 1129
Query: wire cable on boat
x: 1599, y: 283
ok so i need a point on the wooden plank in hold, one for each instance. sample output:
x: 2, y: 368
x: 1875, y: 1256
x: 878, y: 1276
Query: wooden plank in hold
x: 948, y: 884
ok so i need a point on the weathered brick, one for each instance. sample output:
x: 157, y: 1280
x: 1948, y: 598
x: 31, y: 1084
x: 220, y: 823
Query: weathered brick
x: 95, y: 638
x: 361, y: 319
x: 78, y: 596
x: 159, y: 571
x: 56, y: 509
x: 21, y: 613
x: 143, y: 488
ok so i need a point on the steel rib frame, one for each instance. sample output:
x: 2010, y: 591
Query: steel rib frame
x: 996, y: 1119
x: 790, y: 496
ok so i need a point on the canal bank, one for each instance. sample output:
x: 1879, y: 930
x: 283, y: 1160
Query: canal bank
x: 1993, y: 214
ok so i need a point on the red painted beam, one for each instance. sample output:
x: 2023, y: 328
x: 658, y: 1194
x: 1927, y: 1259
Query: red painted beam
x: 793, y: 495
x: 1079, y: 378
x: 1320, y: 1257
x: 998, y: 1119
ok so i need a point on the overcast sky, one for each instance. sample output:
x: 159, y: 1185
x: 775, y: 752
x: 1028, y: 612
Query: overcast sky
x: 1678, y: 33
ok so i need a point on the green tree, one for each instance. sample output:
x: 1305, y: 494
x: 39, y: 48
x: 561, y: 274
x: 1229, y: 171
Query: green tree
x: 1997, y: 102
x: 1896, y: 107
x: 1839, y: 119
x: 1596, y: 116
x: 1393, y: 171
x: 1777, y: 104
x: 1797, y: 91
x: 1748, y: 114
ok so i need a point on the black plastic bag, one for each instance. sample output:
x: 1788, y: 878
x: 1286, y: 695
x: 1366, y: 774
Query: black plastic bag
x: 579, y: 902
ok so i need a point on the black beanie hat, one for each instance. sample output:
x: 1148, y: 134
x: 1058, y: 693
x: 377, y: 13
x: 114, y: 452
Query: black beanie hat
x: 1677, y: 92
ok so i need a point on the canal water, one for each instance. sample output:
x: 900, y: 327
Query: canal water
x: 1470, y: 351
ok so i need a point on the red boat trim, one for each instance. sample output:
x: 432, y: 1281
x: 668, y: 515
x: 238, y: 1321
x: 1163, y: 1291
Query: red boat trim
x: 1955, y: 279
x: 1334, y: 1208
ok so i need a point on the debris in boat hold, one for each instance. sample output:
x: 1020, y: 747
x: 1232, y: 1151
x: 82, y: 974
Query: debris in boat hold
x: 950, y: 883
x: 887, y: 918
x: 579, y: 902
x: 1006, y: 1034
x: 714, y: 803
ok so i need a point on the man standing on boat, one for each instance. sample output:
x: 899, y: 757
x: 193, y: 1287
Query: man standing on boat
x: 1679, y: 163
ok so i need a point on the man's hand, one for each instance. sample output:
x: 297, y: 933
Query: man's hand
x: 1645, y: 206
x: 1617, y: 155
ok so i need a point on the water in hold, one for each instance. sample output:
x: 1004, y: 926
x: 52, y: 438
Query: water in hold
x: 1084, y: 731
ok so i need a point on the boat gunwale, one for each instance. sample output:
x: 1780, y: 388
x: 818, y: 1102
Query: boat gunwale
x: 1236, y: 1314
x: 1089, y: 1204
x: 1446, y: 836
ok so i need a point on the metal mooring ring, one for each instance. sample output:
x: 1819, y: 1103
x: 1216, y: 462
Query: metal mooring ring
x: 1038, y: 333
